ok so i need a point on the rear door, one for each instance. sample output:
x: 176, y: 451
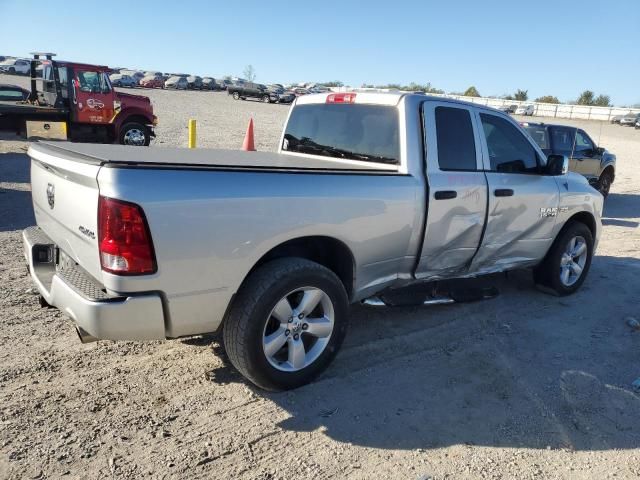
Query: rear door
x: 457, y: 204
x: 523, y: 202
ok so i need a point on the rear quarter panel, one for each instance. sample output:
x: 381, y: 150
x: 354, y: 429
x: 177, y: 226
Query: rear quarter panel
x: 209, y: 228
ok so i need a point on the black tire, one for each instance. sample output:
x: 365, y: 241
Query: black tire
x: 547, y: 274
x: 236, y: 96
x: 130, y: 127
x: 604, y: 183
x: 266, y: 99
x: 12, y: 70
x: 245, y: 322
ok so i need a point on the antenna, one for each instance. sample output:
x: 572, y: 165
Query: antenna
x: 600, y: 133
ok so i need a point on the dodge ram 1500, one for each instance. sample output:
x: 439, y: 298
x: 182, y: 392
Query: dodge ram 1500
x: 368, y: 193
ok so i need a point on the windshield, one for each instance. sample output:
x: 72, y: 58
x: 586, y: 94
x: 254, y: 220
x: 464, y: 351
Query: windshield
x: 355, y: 132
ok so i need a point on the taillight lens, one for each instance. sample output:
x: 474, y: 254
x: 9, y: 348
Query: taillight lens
x: 341, y: 98
x: 124, y: 239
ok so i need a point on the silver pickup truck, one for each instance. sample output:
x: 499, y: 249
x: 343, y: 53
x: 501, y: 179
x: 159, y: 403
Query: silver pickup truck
x: 369, y: 193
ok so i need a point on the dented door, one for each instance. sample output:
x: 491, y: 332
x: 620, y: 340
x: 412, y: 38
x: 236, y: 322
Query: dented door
x: 523, y: 201
x: 457, y: 190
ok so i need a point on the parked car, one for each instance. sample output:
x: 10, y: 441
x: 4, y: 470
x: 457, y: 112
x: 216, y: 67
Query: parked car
x: 299, y: 91
x: 596, y: 163
x: 15, y: 66
x: 252, y: 90
x: 176, y: 83
x: 271, y: 270
x: 283, y: 95
x: 194, y: 82
x: 151, y: 82
x: 225, y: 83
x: 616, y: 119
x: 638, y: 124
x: 123, y: 80
x: 13, y: 93
x: 630, y: 119
x: 508, y: 108
x: 209, y: 83
x: 526, y: 110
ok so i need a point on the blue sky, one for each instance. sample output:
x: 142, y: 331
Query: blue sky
x: 559, y: 47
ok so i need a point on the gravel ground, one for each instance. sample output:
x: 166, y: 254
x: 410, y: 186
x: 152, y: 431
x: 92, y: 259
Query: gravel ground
x: 522, y: 386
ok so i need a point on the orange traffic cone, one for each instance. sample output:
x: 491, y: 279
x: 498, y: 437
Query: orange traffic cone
x: 248, y: 144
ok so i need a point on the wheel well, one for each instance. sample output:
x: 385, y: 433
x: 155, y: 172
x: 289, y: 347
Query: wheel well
x: 609, y: 169
x: 585, y: 218
x: 326, y: 251
x: 135, y: 118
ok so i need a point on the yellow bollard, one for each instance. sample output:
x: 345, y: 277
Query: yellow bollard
x: 192, y: 133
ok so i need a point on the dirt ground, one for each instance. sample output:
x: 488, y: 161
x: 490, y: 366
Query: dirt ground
x: 526, y: 385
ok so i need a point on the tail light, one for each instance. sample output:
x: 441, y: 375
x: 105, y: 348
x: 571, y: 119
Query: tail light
x: 341, y: 98
x: 124, y: 239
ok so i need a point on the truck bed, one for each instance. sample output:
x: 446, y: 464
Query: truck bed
x: 124, y: 156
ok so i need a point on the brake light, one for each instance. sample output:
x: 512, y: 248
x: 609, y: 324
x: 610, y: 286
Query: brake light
x: 341, y: 98
x: 124, y: 239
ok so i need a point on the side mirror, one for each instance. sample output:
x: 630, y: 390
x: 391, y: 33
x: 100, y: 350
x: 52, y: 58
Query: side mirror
x: 599, y: 151
x: 557, y: 165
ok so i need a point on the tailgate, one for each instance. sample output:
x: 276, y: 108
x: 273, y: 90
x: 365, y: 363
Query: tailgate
x: 65, y: 202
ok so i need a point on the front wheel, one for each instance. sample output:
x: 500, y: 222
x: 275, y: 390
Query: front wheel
x: 236, y: 96
x: 266, y: 99
x: 135, y: 134
x: 286, y: 324
x: 567, y: 263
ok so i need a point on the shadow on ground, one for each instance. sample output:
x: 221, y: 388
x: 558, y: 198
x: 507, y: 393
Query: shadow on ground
x: 16, y: 211
x: 619, y: 206
x: 524, y: 370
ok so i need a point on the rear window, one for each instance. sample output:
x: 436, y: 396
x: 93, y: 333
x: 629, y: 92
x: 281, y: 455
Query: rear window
x: 539, y: 134
x: 355, y: 132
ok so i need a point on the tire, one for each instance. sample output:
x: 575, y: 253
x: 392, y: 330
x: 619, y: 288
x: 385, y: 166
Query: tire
x: 12, y: 70
x: 130, y: 134
x: 236, y: 96
x: 266, y: 99
x: 550, y: 272
x: 252, y: 320
x: 604, y: 183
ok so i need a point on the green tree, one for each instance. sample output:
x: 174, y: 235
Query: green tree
x: 471, y: 92
x: 249, y: 73
x: 334, y: 83
x: 522, y: 95
x: 602, y: 101
x: 589, y: 98
x: 547, y: 99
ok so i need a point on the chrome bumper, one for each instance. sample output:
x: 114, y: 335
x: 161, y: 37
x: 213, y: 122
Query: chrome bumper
x: 77, y: 294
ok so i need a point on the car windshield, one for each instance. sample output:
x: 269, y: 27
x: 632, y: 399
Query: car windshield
x: 539, y: 134
x: 355, y: 132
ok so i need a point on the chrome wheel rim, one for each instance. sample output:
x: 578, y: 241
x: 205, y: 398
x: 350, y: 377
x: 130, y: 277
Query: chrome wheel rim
x: 135, y: 137
x: 573, y: 261
x: 298, y: 329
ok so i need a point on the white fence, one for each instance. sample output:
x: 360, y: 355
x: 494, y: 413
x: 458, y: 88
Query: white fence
x: 541, y: 109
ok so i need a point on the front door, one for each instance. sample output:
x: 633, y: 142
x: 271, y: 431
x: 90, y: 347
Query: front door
x: 457, y: 202
x: 93, y: 98
x: 523, y: 201
x: 585, y: 156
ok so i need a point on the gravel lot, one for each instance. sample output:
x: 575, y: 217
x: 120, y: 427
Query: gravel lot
x: 522, y: 386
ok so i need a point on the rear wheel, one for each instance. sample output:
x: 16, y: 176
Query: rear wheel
x: 567, y: 263
x: 286, y: 324
x: 266, y: 99
x: 604, y: 183
x: 135, y: 134
x: 236, y: 96
x: 12, y: 70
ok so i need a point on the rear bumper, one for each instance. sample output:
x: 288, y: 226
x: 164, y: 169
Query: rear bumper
x: 78, y: 295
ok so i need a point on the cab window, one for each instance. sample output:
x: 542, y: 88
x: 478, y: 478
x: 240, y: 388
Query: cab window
x: 92, y: 82
x: 583, y: 142
x: 562, y: 139
x: 509, y: 149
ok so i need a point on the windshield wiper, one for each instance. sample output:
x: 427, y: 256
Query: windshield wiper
x: 306, y: 145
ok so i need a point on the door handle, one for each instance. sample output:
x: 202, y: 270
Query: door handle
x: 445, y: 194
x: 503, y: 192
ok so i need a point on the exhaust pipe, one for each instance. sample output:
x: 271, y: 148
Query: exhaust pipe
x: 84, y: 336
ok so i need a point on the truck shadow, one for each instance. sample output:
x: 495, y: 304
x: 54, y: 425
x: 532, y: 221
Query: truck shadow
x: 16, y: 211
x: 524, y: 370
x: 619, y: 206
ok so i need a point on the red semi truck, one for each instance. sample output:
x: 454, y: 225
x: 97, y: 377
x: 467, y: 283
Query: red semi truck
x: 82, y: 96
